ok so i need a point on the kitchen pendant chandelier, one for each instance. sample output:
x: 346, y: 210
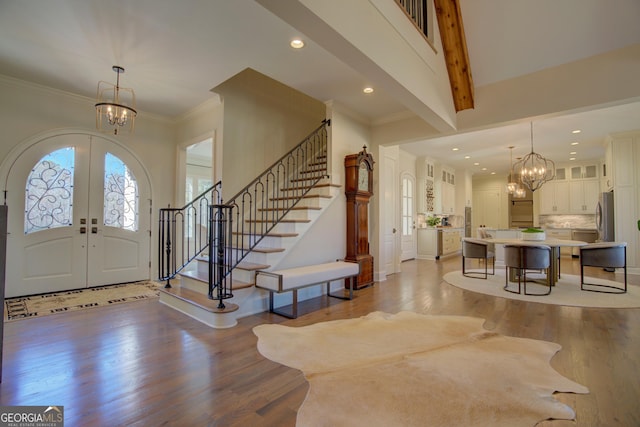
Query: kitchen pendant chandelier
x: 514, y: 188
x: 512, y: 185
x: 520, y: 193
x: 534, y: 170
x: 115, y: 106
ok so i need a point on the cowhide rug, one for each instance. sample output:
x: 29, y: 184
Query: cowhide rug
x: 409, y: 369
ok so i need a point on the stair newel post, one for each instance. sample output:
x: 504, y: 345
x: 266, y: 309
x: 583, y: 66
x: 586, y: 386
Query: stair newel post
x: 217, y: 243
x: 167, y: 224
x: 225, y: 291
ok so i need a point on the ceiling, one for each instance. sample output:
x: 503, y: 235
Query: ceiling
x: 174, y: 53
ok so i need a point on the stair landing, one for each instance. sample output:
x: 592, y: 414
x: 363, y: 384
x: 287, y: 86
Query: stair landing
x: 199, y: 307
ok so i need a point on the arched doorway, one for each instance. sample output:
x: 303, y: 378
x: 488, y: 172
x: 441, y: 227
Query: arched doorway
x: 79, y: 214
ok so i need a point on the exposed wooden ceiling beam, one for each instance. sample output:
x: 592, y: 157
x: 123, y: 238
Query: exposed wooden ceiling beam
x: 455, y: 52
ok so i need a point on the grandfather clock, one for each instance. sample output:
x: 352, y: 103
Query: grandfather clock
x: 358, y: 180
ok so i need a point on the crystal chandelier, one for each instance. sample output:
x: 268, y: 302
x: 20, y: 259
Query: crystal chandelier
x: 534, y: 170
x: 115, y: 106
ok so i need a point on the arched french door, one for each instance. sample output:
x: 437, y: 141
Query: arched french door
x: 79, y: 215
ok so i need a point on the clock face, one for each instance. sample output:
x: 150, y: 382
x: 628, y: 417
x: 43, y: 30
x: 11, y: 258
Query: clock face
x: 363, y: 177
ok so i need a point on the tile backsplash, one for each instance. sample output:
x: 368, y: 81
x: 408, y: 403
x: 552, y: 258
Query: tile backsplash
x: 567, y: 221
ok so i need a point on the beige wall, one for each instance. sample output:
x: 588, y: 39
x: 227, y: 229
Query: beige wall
x: 28, y: 110
x: 263, y: 119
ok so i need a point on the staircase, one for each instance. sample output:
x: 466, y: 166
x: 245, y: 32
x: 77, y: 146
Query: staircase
x: 252, y: 231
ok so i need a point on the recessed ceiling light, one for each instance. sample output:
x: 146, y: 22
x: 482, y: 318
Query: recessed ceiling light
x: 493, y: 173
x: 368, y: 90
x: 467, y: 157
x: 484, y: 169
x: 573, y: 153
x: 476, y: 164
x: 297, y: 44
x: 454, y: 149
x: 576, y: 131
x: 575, y: 143
x: 572, y: 158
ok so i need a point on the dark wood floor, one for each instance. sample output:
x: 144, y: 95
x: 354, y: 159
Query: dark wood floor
x: 143, y: 364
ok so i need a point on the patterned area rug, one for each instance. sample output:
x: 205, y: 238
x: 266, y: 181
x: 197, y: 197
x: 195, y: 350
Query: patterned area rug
x: 566, y: 292
x: 80, y: 299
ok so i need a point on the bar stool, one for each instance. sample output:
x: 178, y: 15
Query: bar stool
x: 605, y: 255
x: 523, y: 258
x: 478, y: 249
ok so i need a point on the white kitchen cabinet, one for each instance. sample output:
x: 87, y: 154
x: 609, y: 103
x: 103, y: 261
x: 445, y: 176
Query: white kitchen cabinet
x: 439, y: 242
x: 625, y: 156
x: 583, y: 196
x: 427, y: 243
x: 451, y: 242
x: 446, y: 202
x: 448, y: 198
x: 586, y: 171
x: 554, y: 198
x: 606, y: 183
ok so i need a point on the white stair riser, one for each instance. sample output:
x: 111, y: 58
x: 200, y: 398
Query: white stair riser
x: 214, y: 320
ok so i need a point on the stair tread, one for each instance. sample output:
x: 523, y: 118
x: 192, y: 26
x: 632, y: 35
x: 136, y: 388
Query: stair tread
x: 199, y: 300
x: 202, y: 277
x: 262, y: 249
x: 270, y: 234
x: 261, y: 221
x: 306, y: 196
x: 252, y: 266
x: 295, y: 208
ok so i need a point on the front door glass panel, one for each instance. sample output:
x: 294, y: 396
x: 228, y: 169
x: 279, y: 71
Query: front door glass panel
x: 121, y: 199
x: 49, y: 192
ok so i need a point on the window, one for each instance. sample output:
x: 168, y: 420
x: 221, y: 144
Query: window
x: 120, y: 195
x: 407, y: 207
x: 49, y: 192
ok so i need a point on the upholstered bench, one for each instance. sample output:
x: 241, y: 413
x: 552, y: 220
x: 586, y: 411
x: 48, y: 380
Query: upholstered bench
x: 292, y: 279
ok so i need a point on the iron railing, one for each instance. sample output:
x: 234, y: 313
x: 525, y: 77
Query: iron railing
x: 417, y: 10
x: 241, y: 223
x: 183, y: 233
x: 231, y: 230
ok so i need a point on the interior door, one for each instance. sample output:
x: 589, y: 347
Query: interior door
x: 408, y: 246
x: 390, y: 205
x: 72, y: 222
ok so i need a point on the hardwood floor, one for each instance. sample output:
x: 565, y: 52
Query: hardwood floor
x: 143, y: 364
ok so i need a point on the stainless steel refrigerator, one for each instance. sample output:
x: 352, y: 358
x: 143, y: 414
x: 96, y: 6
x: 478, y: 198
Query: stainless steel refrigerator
x: 604, y: 217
